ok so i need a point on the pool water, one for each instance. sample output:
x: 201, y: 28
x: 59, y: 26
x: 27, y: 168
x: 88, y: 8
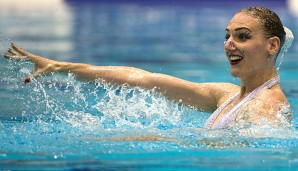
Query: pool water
x: 60, y: 123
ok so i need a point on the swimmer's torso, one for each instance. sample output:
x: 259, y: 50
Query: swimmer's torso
x: 268, y: 107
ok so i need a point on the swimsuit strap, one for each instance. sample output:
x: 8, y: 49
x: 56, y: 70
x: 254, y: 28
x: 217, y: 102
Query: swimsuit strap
x: 231, y: 115
x: 215, y: 114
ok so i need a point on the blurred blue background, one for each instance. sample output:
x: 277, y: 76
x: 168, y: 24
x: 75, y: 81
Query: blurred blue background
x: 130, y: 32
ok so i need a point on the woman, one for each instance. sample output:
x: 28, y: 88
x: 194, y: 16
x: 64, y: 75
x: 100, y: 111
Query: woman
x: 254, y: 38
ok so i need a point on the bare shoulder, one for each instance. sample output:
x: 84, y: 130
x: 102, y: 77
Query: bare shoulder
x: 270, y: 107
x: 272, y: 97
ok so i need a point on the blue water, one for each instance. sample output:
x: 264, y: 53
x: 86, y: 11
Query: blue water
x: 59, y: 123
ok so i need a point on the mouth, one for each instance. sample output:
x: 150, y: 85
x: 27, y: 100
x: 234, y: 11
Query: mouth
x: 235, y: 59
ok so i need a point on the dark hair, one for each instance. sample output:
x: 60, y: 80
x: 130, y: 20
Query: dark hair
x: 271, y: 22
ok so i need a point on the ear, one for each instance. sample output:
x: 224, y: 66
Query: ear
x: 273, y: 45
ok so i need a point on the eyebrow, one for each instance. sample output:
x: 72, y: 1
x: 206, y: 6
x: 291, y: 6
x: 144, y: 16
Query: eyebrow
x: 240, y: 28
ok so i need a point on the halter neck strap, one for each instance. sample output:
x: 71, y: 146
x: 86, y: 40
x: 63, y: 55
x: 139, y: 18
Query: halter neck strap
x: 231, y: 114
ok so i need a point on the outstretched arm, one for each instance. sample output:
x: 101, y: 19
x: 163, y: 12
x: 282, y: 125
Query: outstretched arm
x: 201, y: 96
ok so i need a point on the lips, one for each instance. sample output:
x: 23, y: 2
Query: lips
x: 235, y: 59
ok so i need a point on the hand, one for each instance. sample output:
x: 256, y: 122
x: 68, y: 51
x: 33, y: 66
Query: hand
x: 43, y: 65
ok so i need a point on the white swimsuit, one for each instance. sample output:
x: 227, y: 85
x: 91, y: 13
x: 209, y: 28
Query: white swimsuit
x: 230, y: 116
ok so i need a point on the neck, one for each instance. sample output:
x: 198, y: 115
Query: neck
x: 250, y: 83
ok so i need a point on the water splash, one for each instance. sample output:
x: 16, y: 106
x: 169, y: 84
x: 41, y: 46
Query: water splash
x: 65, y: 107
x: 289, y: 37
x: 96, y: 105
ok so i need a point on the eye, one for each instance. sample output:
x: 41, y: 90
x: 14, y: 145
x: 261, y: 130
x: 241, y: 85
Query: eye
x: 244, y: 36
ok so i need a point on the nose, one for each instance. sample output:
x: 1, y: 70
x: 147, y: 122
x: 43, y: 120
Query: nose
x: 229, y: 44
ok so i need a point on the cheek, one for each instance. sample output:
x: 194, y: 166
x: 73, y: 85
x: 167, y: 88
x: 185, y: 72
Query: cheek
x: 252, y: 51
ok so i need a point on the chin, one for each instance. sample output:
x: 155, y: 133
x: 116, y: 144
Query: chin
x: 235, y: 74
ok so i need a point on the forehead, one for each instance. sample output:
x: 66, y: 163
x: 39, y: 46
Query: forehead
x: 244, y: 20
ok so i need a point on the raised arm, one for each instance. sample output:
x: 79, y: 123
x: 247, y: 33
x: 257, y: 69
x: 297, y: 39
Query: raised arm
x: 203, y: 97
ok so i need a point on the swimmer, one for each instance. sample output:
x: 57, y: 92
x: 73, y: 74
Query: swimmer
x: 254, y: 39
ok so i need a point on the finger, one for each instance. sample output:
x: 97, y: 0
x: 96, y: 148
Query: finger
x: 10, y: 57
x: 13, y: 52
x: 19, y: 50
x: 34, y: 75
x: 7, y: 56
x: 16, y: 57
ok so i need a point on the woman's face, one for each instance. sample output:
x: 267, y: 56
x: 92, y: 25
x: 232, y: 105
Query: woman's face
x: 246, y: 46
